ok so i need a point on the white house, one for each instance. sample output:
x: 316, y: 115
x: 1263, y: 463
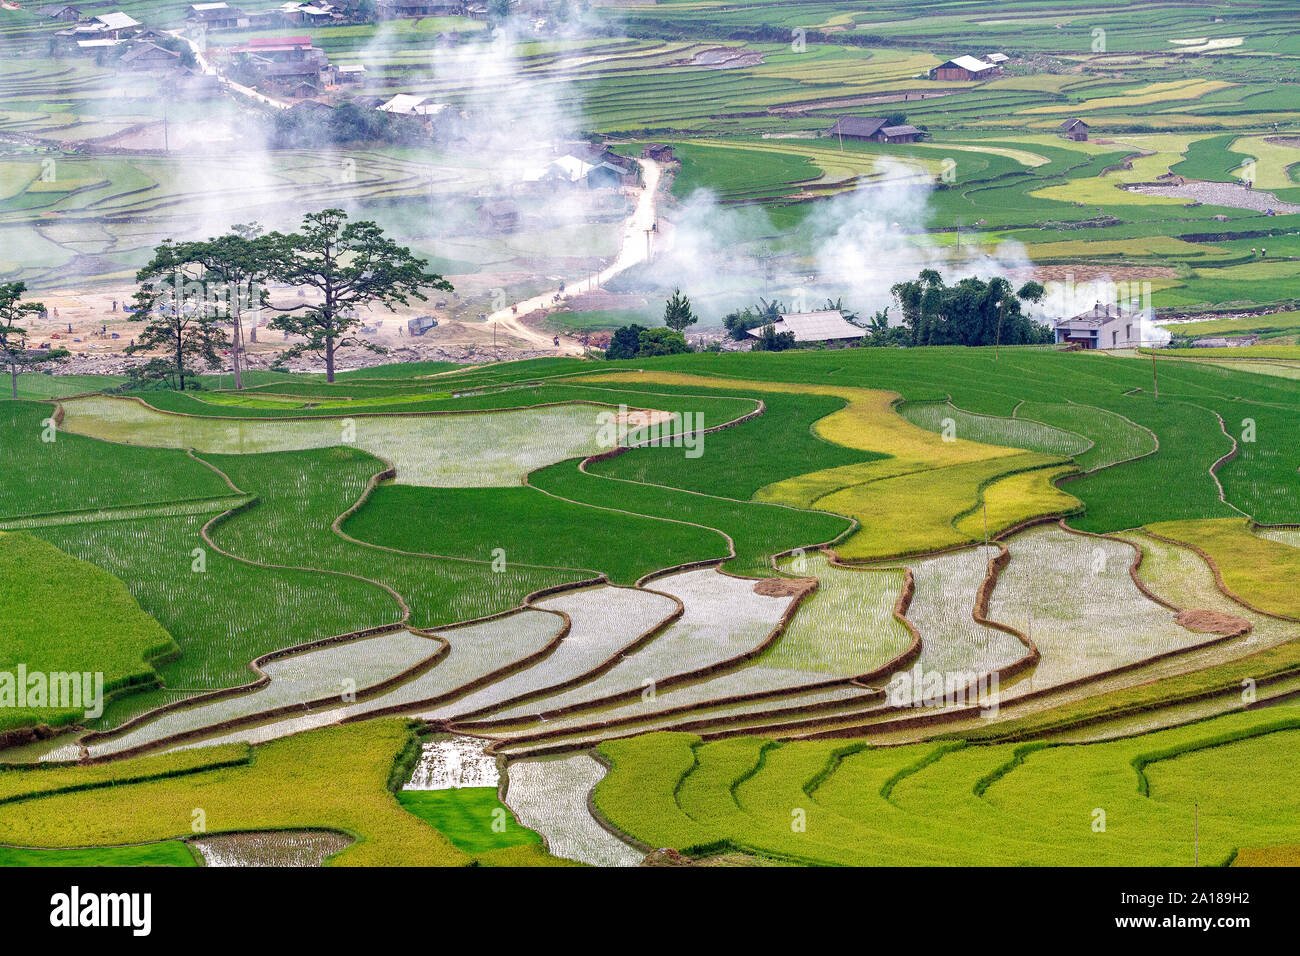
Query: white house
x: 1105, y: 327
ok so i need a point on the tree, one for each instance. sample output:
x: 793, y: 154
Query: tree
x: 181, y: 311
x: 349, y: 265
x: 653, y: 342
x: 234, y: 268
x: 677, y: 313
x: 770, y: 340
x: 13, y: 338
x: 751, y: 317
x: 625, y: 342
x: 837, y: 305
x: 972, y: 312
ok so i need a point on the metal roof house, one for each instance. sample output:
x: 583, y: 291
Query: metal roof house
x: 825, y: 326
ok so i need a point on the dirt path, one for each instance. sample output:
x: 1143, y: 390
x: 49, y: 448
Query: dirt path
x: 207, y: 67
x: 633, y: 249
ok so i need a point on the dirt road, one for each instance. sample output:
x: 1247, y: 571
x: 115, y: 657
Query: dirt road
x: 633, y: 249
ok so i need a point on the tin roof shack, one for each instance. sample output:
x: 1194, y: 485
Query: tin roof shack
x: 216, y: 16
x: 997, y: 59
x: 1074, y: 129
x: 964, y: 68
x: 808, y: 327
x: 351, y: 72
x: 1102, y: 327
x: 501, y: 216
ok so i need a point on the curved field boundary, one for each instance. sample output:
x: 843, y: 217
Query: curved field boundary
x: 261, y: 681
x: 1218, y: 577
x: 584, y: 731
x: 456, y: 723
x: 948, y: 715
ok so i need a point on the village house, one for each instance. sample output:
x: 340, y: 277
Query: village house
x: 899, y: 134
x: 1102, y: 327
x: 288, y: 62
x: 351, y: 72
x: 1074, y: 129
x: 408, y: 104
x: 64, y: 13
x: 861, y: 128
x: 117, y: 25
x: 828, y: 325
x: 873, y: 129
x: 997, y: 59
x: 150, y: 58
x: 964, y: 68
x: 216, y: 16
x: 659, y: 152
x: 413, y: 9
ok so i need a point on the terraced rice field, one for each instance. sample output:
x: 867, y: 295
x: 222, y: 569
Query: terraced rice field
x: 442, y: 452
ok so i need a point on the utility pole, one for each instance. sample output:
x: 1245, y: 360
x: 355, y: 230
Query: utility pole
x: 1155, y: 380
x: 1196, y: 825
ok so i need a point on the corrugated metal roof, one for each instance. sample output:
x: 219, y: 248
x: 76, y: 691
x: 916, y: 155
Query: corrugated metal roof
x: 824, y: 326
x: 971, y: 63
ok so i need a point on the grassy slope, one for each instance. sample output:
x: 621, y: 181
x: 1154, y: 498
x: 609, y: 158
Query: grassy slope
x: 64, y: 615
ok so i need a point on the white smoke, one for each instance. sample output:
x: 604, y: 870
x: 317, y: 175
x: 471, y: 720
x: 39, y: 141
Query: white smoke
x: 854, y: 247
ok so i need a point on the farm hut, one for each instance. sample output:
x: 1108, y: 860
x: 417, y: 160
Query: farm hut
x: 352, y: 72
x: 1074, y: 129
x: 862, y: 128
x: 964, y: 68
x: 899, y: 134
x: 61, y: 12
x: 150, y: 57
x: 216, y: 16
x: 997, y: 59
x: 824, y: 326
x: 1101, y: 327
x: 659, y: 152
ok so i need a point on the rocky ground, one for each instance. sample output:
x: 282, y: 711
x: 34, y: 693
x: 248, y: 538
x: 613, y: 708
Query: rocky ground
x: 1233, y: 195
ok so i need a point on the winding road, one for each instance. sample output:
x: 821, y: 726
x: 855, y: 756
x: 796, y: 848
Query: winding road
x: 632, y: 251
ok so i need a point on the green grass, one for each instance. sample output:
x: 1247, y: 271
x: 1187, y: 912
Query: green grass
x: 471, y: 817
x: 73, y: 473
x: 530, y: 527
x: 843, y: 802
x: 100, y: 631
x: 167, y: 853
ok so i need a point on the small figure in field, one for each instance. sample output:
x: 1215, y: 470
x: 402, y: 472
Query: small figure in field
x: 1254, y: 251
x: 1263, y: 253
x: 115, y: 305
x: 557, y: 341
